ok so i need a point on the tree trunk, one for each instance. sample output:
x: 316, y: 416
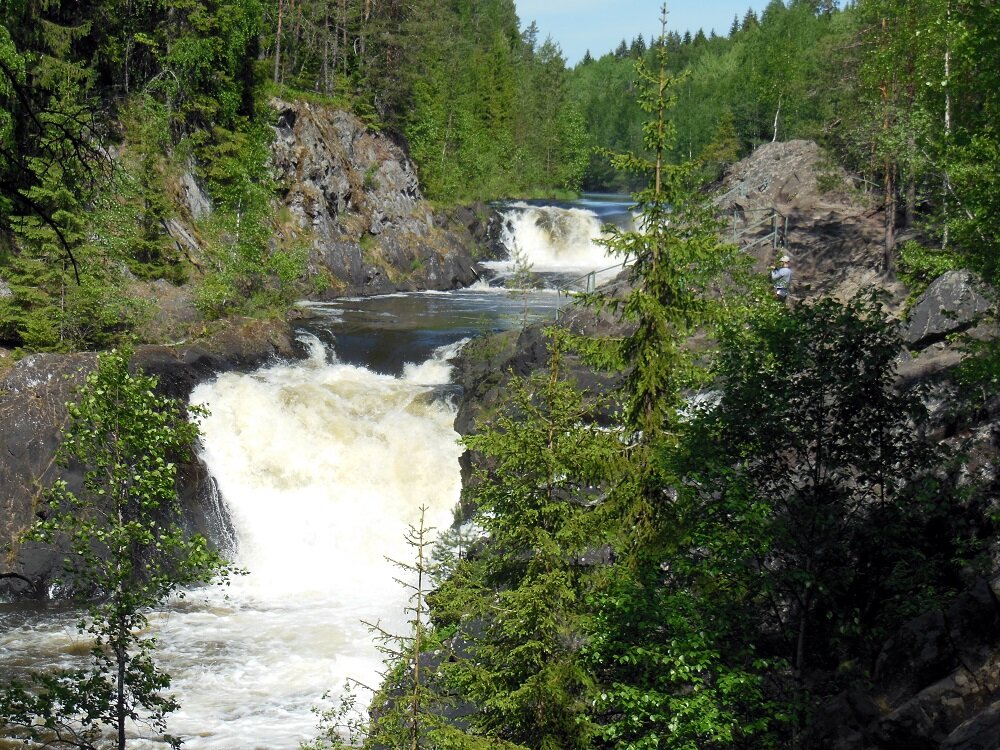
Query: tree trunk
x: 343, y: 28
x: 120, y: 707
x: 947, y: 124
x: 777, y: 115
x: 326, y: 49
x: 277, y: 46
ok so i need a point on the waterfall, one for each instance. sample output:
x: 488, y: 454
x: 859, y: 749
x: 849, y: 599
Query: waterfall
x: 317, y: 468
x: 321, y: 465
x: 560, y: 243
x: 551, y: 238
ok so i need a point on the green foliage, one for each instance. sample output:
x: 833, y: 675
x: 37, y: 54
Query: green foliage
x: 522, y: 594
x: 656, y: 653
x: 856, y: 529
x: 68, y: 292
x: 141, y: 194
x: 249, y: 270
x: 126, y: 553
x: 777, y: 63
x: 919, y: 265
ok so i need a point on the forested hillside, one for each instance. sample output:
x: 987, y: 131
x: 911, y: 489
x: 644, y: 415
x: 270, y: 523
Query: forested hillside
x: 905, y: 95
x: 109, y: 109
x: 107, y: 106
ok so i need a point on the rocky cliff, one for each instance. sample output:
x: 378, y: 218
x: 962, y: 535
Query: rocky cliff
x: 358, y: 196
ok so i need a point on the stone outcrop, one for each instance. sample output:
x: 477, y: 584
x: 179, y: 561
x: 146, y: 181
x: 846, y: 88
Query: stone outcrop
x: 835, y: 232
x: 33, y: 397
x: 358, y: 196
x: 954, y: 302
x: 936, y: 685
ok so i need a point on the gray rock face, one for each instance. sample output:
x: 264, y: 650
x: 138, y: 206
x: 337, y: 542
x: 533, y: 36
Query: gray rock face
x: 936, y: 685
x: 834, y: 232
x: 32, y: 416
x: 5, y: 290
x: 953, y: 302
x: 358, y: 194
x: 194, y: 200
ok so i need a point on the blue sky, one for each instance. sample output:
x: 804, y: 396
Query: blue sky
x: 599, y: 25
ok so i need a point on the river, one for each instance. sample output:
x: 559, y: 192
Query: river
x: 321, y: 465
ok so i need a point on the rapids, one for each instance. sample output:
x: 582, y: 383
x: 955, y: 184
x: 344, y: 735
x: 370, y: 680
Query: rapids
x: 320, y: 465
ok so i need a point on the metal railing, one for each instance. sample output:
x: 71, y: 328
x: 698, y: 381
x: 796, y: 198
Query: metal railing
x: 777, y: 220
x: 568, y: 289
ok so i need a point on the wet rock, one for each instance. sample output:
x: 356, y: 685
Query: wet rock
x: 954, y: 302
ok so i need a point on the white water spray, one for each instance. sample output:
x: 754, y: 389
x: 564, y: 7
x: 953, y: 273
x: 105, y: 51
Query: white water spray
x: 322, y: 466
x: 555, y: 239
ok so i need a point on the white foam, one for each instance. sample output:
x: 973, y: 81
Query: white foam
x: 554, y: 239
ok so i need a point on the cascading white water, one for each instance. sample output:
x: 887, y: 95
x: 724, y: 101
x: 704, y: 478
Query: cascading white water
x: 554, y: 239
x: 322, y: 466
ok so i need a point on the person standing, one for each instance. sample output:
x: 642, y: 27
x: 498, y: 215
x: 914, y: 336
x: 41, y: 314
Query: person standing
x: 781, y: 277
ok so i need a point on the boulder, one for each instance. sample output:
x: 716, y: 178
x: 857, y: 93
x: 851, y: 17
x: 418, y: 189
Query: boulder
x: 954, y: 302
x: 981, y: 732
x: 936, y: 685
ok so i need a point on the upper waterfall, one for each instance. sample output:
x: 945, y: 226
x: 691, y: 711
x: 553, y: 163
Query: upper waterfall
x: 561, y: 239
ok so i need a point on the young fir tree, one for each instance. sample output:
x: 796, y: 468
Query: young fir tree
x: 680, y: 275
x: 517, y: 602
x: 409, y: 710
x: 126, y: 554
x: 656, y: 645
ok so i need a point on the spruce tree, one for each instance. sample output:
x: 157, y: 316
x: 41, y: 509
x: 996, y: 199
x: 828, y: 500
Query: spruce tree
x: 656, y: 646
x: 518, y: 600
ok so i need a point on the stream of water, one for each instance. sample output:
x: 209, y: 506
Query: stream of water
x: 321, y: 465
